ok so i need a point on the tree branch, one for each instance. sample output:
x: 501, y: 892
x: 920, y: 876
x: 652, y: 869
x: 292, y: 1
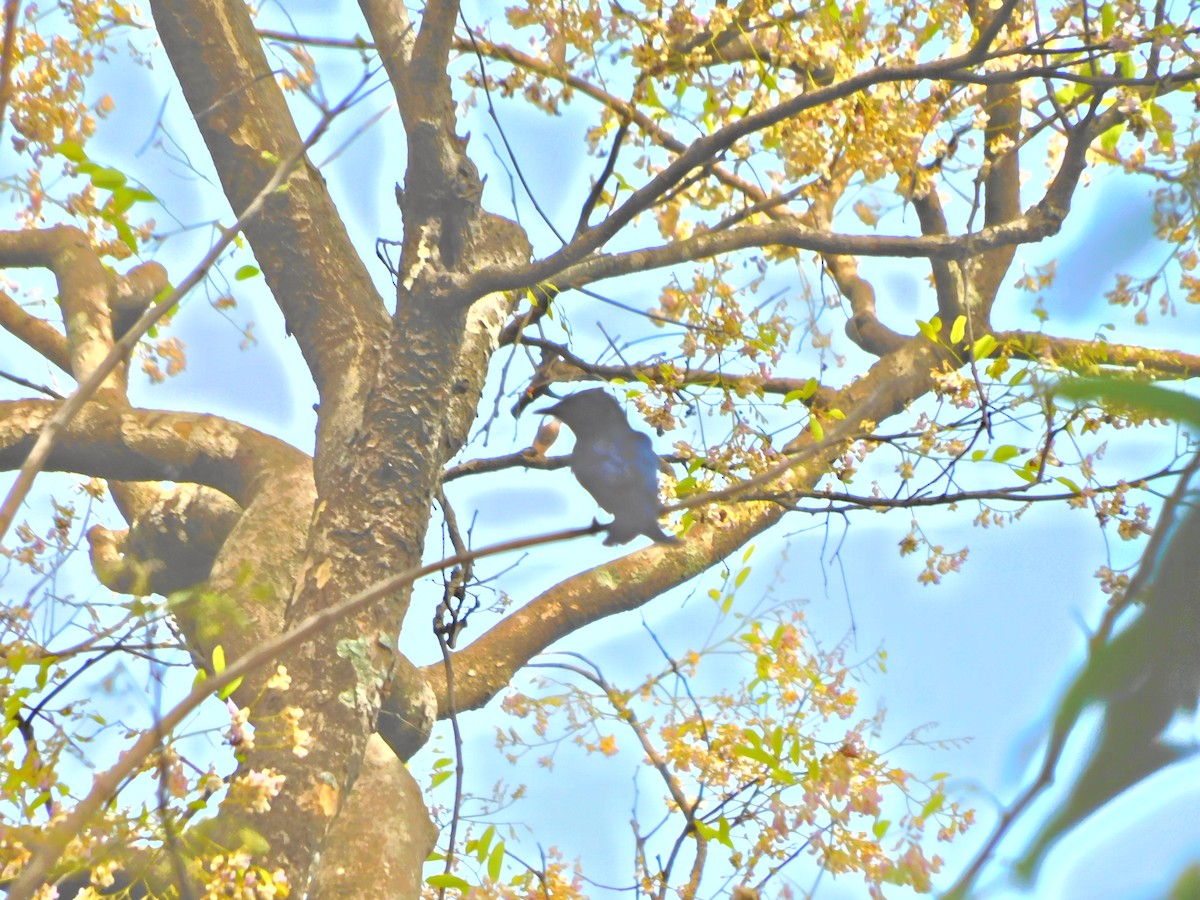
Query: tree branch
x: 106, y: 784
x: 705, y: 149
x: 37, y: 333
x: 83, y: 289
x: 1082, y: 356
x: 130, y: 444
x: 315, y: 274
x: 486, y: 665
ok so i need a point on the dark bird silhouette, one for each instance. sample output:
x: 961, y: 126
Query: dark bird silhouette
x: 615, y: 464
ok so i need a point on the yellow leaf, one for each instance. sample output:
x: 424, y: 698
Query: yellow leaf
x: 958, y: 329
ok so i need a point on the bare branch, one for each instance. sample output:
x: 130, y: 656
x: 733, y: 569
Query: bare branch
x: 37, y: 333
x: 83, y: 287
x: 315, y: 274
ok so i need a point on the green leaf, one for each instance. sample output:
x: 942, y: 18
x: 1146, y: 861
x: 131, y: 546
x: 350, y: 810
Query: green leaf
x: 652, y: 98
x: 72, y: 150
x: 496, y: 862
x: 108, y: 179
x: 803, y: 392
x: 1108, y: 20
x: 983, y: 347
x: 245, y: 273
x: 741, y: 577
x: 226, y: 692
x: 880, y: 828
x: 125, y: 233
x: 958, y: 329
x: 818, y: 432
x: 686, y: 486
x: 1108, y: 140
x: 218, y: 659
x: 1164, y: 125
x: 1004, y: 453
x: 759, y: 756
x: 777, y: 742
x: 1187, y: 886
x: 930, y: 329
x: 448, y: 880
x: 934, y: 804
x: 122, y: 199
x: 1149, y: 399
x: 484, y: 843
x: 723, y: 832
x: 1067, y: 483
x: 1071, y: 93
x: 45, y: 664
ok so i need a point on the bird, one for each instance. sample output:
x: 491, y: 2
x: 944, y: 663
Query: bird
x: 614, y: 463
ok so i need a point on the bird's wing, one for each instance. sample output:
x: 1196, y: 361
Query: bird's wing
x: 620, y: 472
x: 604, y: 467
x: 645, y: 462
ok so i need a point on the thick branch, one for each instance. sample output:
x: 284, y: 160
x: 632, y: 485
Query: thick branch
x: 37, y: 333
x: 864, y: 326
x: 1034, y: 226
x: 390, y: 26
x: 1086, y: 356
x: 485, y: 666
x: 946, y: 283
x: 83, y: 290
x: 141, y: 445
x: 172, y: 542
x: 1002, y: 188
x: 97, y: 306
x: 269, y: 479
x: 307, y: 258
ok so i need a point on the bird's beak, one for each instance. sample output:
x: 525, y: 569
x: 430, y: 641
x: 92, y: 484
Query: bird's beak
x: 548, y: 410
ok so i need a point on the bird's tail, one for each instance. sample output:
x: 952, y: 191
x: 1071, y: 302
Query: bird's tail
x: 659, y: 536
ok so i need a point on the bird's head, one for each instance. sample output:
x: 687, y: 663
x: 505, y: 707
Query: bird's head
x: 591, y: 408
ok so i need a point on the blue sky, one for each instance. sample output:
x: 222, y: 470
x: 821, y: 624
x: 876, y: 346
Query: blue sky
x: 984, y: 655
